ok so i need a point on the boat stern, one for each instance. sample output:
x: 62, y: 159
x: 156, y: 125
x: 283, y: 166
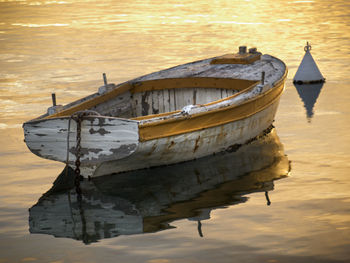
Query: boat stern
x: 102, y: 139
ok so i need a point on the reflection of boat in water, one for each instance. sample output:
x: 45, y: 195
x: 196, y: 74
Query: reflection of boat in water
x: 309, y: 94
x: 147, y: 200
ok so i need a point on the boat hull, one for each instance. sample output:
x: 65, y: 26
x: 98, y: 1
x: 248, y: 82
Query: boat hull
x: 193, y: 145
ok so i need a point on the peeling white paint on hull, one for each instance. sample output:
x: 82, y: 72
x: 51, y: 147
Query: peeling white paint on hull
x: 102, y: 139
x: 193, y: 145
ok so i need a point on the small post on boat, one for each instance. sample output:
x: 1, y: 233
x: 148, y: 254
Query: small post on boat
x: 54, y: 108
x: 242, y: 49
x: 53, y: 95
x: 104, y: 79
x: 106, y: 87
x: 308, y: 72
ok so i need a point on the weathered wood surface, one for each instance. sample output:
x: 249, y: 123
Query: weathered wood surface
x: 161, y: 101
x: 102, y: 139
x: 119, y: 106
x: 274, y: 70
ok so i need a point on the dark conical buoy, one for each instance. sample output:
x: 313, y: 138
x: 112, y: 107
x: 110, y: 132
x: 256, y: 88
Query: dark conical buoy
x: 308, y: 71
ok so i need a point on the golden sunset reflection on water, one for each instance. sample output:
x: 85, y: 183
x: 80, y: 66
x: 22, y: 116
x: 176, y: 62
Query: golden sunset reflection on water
x: 65, y: 46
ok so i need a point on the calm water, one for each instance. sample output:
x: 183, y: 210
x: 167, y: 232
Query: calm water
x: 65, y: 46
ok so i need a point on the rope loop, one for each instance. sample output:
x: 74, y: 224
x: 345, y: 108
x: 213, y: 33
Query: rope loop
x: 307, y: 47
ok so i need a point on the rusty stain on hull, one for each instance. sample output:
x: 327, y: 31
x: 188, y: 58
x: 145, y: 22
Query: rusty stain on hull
x: 172, y: 143
x: 196, y: 144
x: 153, y: 148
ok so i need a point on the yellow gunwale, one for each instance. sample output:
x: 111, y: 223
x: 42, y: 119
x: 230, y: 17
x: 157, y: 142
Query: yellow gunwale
x: 157, y: 84
x: 92, y: 102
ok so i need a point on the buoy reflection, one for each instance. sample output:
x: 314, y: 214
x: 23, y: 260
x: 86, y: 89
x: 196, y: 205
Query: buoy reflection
x: 309, y: 94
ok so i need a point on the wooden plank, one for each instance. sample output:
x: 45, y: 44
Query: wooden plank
x: 160, y: 94
x: 216, y: 95
x: 230, y: 92
x: 188, y: 96
x: 194, y: 96
x: 149, y: 100
x: 146, y: 103
x: 119, y: 106
x: 225, y: 93
x: 137, y: 104
x: 172, y: 101
x: 202, y: 95
x: 155, y: 102
x: 180, y: 99
x: 166, y: 100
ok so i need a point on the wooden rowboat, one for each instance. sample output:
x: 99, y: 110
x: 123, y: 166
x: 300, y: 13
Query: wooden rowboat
x: 179, y: 114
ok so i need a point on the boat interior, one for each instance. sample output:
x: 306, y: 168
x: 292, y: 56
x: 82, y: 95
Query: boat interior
x: 145, y: 99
